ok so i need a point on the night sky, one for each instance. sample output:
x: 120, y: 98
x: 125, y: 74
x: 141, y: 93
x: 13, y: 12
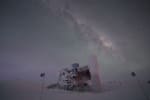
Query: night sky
x: 48, y: 35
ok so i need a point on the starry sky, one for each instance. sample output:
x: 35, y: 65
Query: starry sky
x: 47, y: 35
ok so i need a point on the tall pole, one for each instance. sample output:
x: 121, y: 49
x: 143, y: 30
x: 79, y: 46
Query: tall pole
x: 133, y: 74
x: 42, y: 75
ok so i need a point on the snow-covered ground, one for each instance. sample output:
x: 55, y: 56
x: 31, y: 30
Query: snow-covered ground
x: 48, y: 35
x: 28, y: 90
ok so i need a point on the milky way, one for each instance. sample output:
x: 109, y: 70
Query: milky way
x: 96, y: 39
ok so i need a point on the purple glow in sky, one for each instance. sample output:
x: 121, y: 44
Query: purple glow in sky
x: 47, y: 35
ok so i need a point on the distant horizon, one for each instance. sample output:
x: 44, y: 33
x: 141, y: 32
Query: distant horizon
x: 47, y: 35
